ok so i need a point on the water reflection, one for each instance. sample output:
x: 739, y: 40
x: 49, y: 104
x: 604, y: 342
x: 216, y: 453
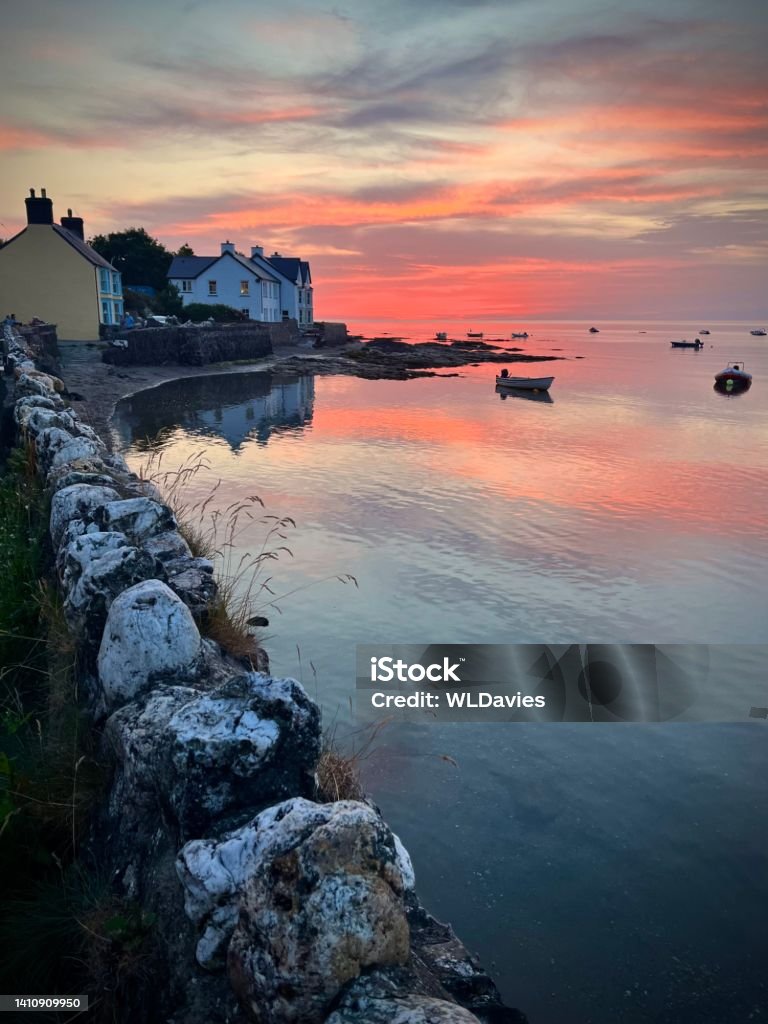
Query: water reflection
x: 235, y: 406
x: 531, y: 396
x: 620, y: 517
x: 732, y: 391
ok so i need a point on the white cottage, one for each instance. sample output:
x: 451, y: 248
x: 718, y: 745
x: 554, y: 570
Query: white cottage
x: 254, y: 285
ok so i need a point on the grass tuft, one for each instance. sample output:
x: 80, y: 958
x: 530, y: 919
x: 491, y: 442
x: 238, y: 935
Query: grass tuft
x: 215, y: 531
x: 339, y: 768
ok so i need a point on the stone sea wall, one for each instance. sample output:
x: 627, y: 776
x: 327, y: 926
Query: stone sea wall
x: 268, y: 905
x: 197, y: 345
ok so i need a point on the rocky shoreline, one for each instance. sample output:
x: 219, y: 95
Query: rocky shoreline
x: 268, y: 904
x: 96, y: 386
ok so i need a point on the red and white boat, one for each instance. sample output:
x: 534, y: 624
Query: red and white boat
x: 734, y: 375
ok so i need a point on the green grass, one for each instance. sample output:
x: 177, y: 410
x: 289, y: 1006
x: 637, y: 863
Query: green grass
x: 51, y: 906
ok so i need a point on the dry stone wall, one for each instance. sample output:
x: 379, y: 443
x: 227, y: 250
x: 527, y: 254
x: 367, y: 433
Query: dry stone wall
x: 270, y: 906
x: 193, y: 345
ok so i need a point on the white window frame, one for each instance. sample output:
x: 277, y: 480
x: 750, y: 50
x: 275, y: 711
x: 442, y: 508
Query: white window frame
x: 186, y: 285
x: 213, y: 286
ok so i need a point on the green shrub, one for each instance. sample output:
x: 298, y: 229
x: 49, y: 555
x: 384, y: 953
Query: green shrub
x: 199, y: 311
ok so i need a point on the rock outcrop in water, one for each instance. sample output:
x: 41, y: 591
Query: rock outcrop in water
x: 268, y: 906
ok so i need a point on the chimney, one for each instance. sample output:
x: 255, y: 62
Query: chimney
x: 257, y: 250
x: 227, y: 247
x: 39, y: 211
x: 73, y: 224
x: 275, y: 254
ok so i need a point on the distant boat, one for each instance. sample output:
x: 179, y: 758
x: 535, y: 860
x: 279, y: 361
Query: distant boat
x: 759, y: 332
x: 687, y: 344
x: 594, y: 330
x: 703, y: 331
x: 441, y: 336
x: 519, y: 334
x: 523, y: 383
x: 474, y: 334
x: 733, y: 378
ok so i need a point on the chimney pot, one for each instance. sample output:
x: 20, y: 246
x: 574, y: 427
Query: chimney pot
x: 39, y: 210
x: 69, y: 211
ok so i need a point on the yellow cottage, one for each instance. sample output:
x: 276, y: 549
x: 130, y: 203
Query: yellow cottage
x: 49, y: 271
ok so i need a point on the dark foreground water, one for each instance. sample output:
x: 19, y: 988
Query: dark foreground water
x: 605, y: 873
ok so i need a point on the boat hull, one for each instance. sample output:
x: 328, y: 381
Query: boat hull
x: 525, y: 383
x: 734, y: 378
x: 686, y: 344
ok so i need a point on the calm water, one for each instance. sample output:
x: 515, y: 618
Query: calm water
x: 605, y: 873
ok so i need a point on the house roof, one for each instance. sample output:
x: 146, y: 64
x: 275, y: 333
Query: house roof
x: 75, y: 241
x: 190, y: 266
x: 289, y: 266
x: 82, y: 247
x: 193, y: 266
x: 250, y: 265
x: 305, y: 272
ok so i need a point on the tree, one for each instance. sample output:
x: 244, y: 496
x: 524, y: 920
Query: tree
x: 185, y: 250
x: 141, y: 259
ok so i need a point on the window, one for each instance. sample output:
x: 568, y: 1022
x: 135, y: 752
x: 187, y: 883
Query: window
x: 212, y: 289
x: 118, y: 310
x: 104, y: 276
x: 115, y: 284
x: 105, y: 317
x: 244, y: 288
x: 246, y: 312
x: 186, y: 286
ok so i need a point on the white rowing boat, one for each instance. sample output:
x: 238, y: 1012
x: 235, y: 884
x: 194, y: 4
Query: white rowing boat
x: 524, y: 383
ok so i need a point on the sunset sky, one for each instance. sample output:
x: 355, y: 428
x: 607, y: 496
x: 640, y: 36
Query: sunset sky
x: 490, y: 159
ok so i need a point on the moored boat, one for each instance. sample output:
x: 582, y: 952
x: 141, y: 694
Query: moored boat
x: 759, y: 332
x: 441, y: 336
x: 704, y: 331
x: 687, y: 344
x: 519, y: 334
x: 474, y: 334
x: 504, y: 380
x: 594, y: 330
x: 733, y: 376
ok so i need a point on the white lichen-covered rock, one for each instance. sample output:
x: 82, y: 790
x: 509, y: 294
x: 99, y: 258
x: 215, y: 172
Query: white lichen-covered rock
x: 67, y: 477
x: 208, y: 757
x: 402, y: 1009
x: 150, y: 636
x: 76, y: 501
x: 24, y: 408
x: 94, y: 569
x: 49, y: 442
x: 32, y: 382
x: 76, y: 450
x: 75, y: 472
x: 314, y: 893
x: 192, y: 579
x: 38, y: 419
x: 168, y: 545
x: 139, y: 518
